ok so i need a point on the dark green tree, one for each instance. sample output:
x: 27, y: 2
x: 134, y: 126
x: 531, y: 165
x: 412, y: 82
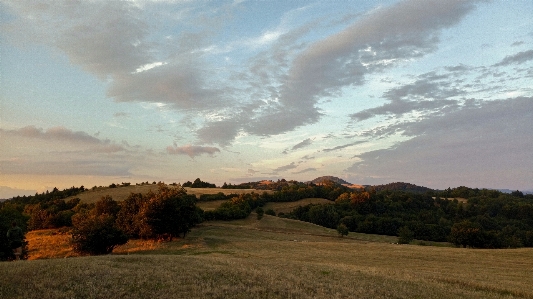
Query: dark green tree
x: 405, y: 235
x: 342, y: 230
x: 96, y: 234
x: 168, y: 213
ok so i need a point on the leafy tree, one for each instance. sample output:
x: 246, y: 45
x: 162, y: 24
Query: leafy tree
x: 170, y: 212
x: 342, y: 230
x: 106, y: 205
x: 128, y: 219
x: 96, y: 234
x: 466, y: 233
x: 405, y: 235
x: 10, y: 212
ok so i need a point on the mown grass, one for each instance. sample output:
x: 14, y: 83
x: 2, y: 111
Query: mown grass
x: 276, y: 258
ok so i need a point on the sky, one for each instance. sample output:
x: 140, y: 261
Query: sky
x: 431, y: 92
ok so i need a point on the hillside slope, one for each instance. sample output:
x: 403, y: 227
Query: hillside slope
x: 276, y: 258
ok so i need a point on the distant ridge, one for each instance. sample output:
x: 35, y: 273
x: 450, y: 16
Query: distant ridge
x: 402, y: 186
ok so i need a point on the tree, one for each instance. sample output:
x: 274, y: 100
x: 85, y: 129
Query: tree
x: 96, y: 234
x: 342, y: 230
x: 466, y: 233
x: 405, y: 235
x: 170, y: 212
x: 128, y: 219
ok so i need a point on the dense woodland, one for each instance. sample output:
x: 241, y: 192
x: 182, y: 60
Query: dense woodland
x: 476, y: 218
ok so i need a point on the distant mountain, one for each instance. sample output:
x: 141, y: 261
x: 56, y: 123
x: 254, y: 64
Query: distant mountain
x: 330, y: 178
x: 402, y: 186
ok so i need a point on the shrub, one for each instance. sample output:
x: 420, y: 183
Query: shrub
x: 405, y: 235
x: 342, y: 230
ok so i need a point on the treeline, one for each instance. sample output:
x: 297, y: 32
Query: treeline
x: 481, y: 222
x: 198, y: 184
x: 263, y: 185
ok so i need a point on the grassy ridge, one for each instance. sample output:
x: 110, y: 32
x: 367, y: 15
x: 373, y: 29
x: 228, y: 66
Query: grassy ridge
x: 276, y: 258
x: 122, y: 192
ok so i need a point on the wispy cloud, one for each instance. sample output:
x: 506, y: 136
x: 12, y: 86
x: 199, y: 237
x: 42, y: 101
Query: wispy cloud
x: 302, y: 144
x: 192, y: 150
x: 342, y: 146
x: 55, y: 133
x: 286, y: 167
x: 517, y: 58
x: 311, y: 169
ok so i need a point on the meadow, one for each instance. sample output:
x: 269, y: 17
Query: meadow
x: 275, y: 258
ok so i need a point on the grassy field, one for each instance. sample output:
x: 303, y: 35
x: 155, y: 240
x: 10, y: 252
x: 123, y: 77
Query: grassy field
x: 275, y: 258
x: 122, y: 192
x: 278, y: 207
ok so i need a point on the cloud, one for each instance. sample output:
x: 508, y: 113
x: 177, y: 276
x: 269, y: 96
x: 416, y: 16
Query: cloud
x: 342, y: 146
x: 311, y: 169
x: 302, y: 144
x: 66, y: 165
x: 478, y: 146
x: 103, y: 37
x: 397, y: 33
x: 55, y: 134
x: 192, y: 150
x: 180, y: 86
x: 286, y: 167
x: 114, y: 41
x: 517, y: 58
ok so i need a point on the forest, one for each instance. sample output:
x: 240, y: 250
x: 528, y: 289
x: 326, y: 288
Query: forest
x: 466, y: 217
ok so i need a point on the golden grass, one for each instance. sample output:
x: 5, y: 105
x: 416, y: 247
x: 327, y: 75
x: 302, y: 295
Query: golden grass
x: 121, y: 193
x: 48, y: 243
x: 276, y: 258
x: 53, y: 243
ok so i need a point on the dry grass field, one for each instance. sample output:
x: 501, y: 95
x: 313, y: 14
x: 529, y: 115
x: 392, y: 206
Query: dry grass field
x: 122, y: 192
x: 276, y: 258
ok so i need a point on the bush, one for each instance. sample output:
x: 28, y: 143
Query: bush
x: 342, y: 230
x: 96, y: 234
x: 405, y: 235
